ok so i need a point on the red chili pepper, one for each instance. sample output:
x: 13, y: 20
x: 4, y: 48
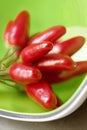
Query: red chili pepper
x: 60, y: 76
x: 7, y: 31
x: 69, y: 46
x: 35, y: 51
x: 43, y: 94
x: 18, y: 30
x: 51, y: 34
x: 24, y: 74
x: 55, y: 62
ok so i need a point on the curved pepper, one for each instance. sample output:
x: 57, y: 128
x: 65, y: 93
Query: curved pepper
x: 55, y: 62
x: 51, y: 34
x: 17, y: 31
x: 69, y: 46
x: 35, y: 51
x: 43, y: 94
x: 24, y: 74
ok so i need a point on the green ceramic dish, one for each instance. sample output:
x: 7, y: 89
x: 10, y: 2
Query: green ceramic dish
x: 44, y: 13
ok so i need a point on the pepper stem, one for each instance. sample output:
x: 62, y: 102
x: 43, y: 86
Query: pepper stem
x: 10, y: 57
x: 12, y: 84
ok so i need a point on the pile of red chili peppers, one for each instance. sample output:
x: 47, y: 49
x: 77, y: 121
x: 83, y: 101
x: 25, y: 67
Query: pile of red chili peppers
x: 36, y: 62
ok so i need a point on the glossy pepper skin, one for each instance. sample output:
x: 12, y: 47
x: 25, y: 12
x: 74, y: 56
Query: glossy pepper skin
x: 51, y: 34
x: 55, y: 62
x: 60, y: 76
x: 18, y: 30
x: 34, y: 52
x: 24, y: 74
x: 43, y: 94
x: 68, y: 47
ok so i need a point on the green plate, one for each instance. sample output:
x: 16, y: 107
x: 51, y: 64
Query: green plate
x: 44, y: 13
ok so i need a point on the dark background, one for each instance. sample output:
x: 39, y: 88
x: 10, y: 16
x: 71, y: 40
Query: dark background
x: 75, y: 121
